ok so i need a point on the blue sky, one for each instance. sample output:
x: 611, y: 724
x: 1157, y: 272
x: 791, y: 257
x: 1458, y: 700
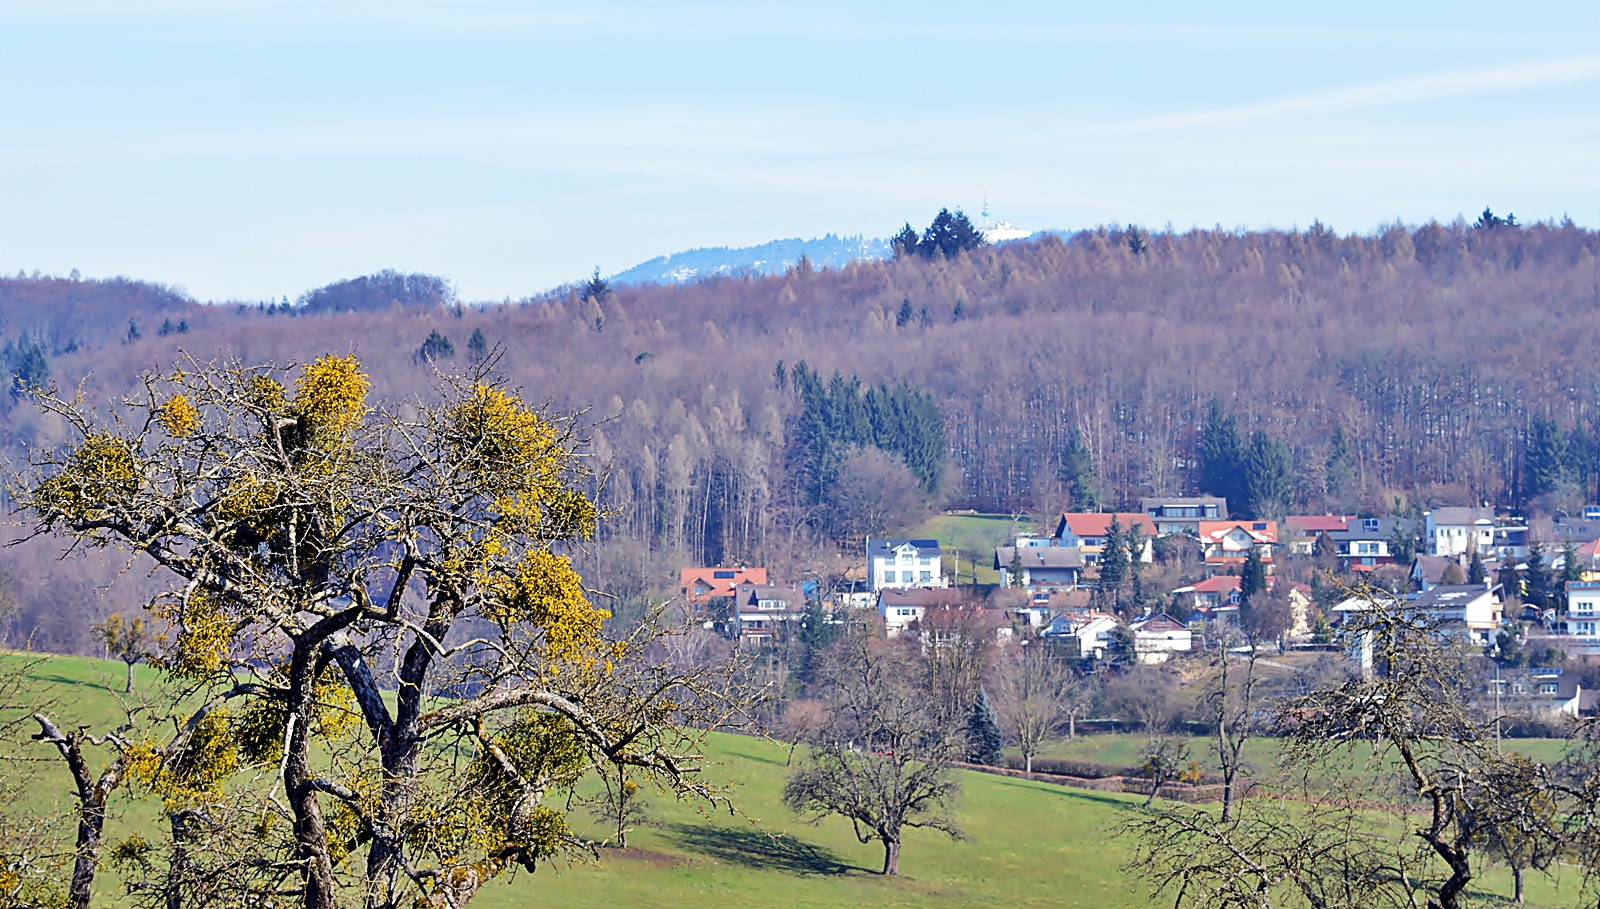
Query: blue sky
x: 248, y: 150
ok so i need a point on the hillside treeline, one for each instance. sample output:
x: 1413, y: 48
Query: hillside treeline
x: 1411, y: 362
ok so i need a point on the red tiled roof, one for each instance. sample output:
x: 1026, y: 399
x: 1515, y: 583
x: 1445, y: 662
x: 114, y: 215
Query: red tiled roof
x: 1216, y: 530
x: 720, y: 586
x: 1222, y: 583
x: 1096, y: 524
x: 1306, y: 525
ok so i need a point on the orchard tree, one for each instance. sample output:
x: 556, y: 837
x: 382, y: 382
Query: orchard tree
x: 880, y: 756
x: 322, y: 550
x: 125, y: 639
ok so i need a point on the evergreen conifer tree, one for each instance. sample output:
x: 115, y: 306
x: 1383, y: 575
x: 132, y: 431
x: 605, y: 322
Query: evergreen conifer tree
x: 1113, y: 563
x: 1252, y: 577
x: 1543, y: 458
x: 904, y: 243
x: 1509, y: 579
x: 1269, y: 480
x: 1475, y: 570
x: 905, y: 315
x: 1077, y: 473
x: 1341, y: 467
x: 985, y: 745
x: 478, y: 346
x: 1221, y: 460
x: 1570, y: 569
x: 1014, y: 570
x: 1536, y: 577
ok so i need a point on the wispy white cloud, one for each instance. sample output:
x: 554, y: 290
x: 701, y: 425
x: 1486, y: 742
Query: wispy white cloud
x: 1388, y: 93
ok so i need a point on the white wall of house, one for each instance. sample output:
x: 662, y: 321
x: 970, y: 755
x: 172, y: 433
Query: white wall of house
x: 905, y: 568
x: 896, y: 618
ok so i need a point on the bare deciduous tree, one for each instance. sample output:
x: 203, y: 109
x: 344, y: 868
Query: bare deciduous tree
x: 1034, y: 692
x: 881, y: 757
x: 1400, y: 784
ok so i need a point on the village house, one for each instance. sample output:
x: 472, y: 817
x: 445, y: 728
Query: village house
x: 1092, y: 631
x: 1087, y: 532
x: 1300, y: 532
x: 1429, y: 571
x: 1043, y: 567
x: 1183, y: 515
x: 1458, y: 531
x: 1366, y: 543
x: 1546, y: 691
x: 1225, y: 543
x: 901, y: 608
x: 905, y: 564
x: 698, y: 586
x: 1471, y: 612
x: 1212, y: 592
x: 759, y: 610
x: 1583, y: 606
x: 1156, y: 638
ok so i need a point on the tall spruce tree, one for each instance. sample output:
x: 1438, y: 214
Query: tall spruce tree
x: 1543, y: 458
x: 1113, y: 563
x: 949, y: 235
x: 1252, y: 577
x: 1509, y: 579
x: 1221, y: 457
x: 985, y: 744
x: 1077, y: 473
x: 1536, y: 577
x: 904, y: 243
x: 1571, y: 570
x: 1475, y: 570
x: 1340, y: 471
x: 1269, y: 478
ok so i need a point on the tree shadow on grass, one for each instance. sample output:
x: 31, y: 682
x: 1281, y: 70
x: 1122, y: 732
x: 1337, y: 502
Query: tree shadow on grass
x: 756, y: 849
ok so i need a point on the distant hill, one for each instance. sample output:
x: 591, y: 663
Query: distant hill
x: 373, y: 293
x: 766, y: 259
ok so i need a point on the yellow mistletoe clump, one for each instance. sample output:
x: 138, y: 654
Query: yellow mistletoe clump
x: 205, y: 637
x: 195, y: 771
x: 520, y: 458
x: 545, y: 591
x: 330, y: 398
x: 100, y: 472
x: 178, y: 417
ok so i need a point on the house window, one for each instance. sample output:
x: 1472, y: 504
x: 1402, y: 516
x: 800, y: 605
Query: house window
x: 926, y: 577
x: 1549, y: 688
x: 1370, y: 525
x: 1585, y: 628
x: 888, y: 577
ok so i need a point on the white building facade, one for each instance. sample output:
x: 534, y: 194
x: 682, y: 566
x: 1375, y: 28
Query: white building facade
x: 905, y: 564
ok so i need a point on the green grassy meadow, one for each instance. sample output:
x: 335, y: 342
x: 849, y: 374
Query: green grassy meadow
x: 1026, y: 843
x: 975, y: 536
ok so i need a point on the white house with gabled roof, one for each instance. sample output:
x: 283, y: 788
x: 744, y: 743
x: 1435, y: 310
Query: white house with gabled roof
x: 905, y: 564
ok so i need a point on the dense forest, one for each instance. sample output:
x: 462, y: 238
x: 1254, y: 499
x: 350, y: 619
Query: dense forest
x: 774, y: 420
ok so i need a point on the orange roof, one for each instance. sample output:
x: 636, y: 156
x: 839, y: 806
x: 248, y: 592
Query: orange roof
x: 720, y: 581
x: 1222, y: 583
x: 1316, y: 523
x: 1260, y: 531
x: 1096, y: 525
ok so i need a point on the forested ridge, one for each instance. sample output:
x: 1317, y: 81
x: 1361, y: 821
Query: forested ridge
x: 1412, y: 362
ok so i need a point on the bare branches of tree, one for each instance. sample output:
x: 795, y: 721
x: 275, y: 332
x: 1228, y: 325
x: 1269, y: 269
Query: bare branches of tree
x: 880, y: 757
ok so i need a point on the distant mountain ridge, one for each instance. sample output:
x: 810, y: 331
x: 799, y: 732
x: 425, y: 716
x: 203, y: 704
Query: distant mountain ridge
x: 768, y: 258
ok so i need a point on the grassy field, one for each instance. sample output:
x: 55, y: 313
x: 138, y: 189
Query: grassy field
x: 975, y: 536
x: 1026, y: 844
